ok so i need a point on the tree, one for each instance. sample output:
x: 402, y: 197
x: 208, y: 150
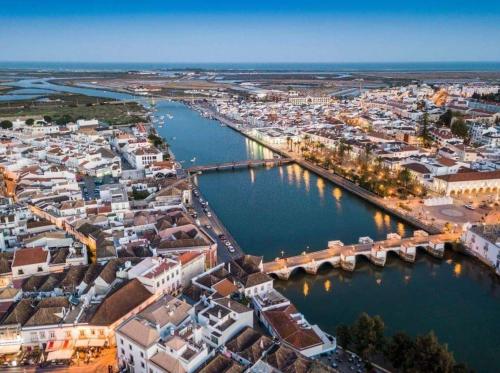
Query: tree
x: 368, y: 335
x: 30, y: 121
x: 47, y: 118
x: 459, y: 128
x: 344, y: 337
x: 65, y: 119
x: 404, y: 176
x: 430, y: 356
x: 445, y: 118
x: 398, y: 349
x: 6, y: 124
x: 425, y: 130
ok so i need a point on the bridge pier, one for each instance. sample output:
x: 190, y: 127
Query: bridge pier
x: 348, y: 262
x: 435, y: 248
x: 408, y: 253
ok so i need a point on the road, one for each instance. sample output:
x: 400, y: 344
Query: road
x: 346, y: 362
x: 216, y: 229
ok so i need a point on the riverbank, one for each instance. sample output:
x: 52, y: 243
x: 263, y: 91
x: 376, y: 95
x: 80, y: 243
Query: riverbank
x: 336, y: 179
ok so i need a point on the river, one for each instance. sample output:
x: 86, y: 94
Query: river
x: 290, y: 209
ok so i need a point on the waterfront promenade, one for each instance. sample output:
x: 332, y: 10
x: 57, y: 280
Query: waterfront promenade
x: 344, y: 256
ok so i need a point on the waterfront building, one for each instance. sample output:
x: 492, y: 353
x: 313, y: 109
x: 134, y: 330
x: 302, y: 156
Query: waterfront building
x: 483, y: 241
x: 467, y: 182
x: 310, y: 100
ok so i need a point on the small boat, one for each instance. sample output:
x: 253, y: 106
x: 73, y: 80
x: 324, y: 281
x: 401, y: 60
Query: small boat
x: 193, y: 160
x: 170, y: 116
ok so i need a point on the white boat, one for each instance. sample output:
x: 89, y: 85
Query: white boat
x: 193, y: 160
x: 170, y: 116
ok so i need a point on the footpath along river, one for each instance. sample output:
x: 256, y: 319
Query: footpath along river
x: 288, y: 208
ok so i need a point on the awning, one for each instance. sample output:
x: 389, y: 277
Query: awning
x: 82, y: 343
x: 97, y: 342
x: 10, y: 349
x: 57, y: 345
x: 60, y: 355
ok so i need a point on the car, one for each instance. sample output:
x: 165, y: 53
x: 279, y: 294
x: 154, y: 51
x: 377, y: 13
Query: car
x: 227, y: 243
x: 208, y: 226
x: 222, y: 236
x: 209, y: 214
x: 231, y: 249
x: 470, y: 207
x: 334, y: 365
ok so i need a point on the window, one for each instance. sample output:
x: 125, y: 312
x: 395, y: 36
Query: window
x: 42, y: 335
x: 68, y: 333
x: 101, y: 332
x: 122, y: 351
x: 34, y: 336
x: 92, y: 331
x: 52, y: 334
x: 142, y: 354
x: 142, y: 364
x: 39, y: 269
x: 82, y: 333
x: 130, y: 347
x: 20, y: 272
x: 157, y: 284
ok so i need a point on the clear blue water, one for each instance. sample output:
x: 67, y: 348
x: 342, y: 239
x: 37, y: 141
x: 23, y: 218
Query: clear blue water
x: 323, y: 67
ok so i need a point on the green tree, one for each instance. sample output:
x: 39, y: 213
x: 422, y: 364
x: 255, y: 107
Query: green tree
x: 404, y: 176
x: 399, y: 348
x: 430, y: 356
x: 460, y: 128
x: 368, y: 335
x: 30, y: 121
x: 64, y: 119
x: 426, y: 137
x: 47, y: 118
x: 344, y: 337
x: 6, y: 124
x: 445, y: 118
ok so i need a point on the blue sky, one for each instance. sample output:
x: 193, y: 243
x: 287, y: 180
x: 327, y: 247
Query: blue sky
x: 249, y: 31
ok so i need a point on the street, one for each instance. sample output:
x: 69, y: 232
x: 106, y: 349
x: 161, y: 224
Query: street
x: 216, y: 229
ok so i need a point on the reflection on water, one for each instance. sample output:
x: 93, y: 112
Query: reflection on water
x: 320, y: 184
x: 328, y: 285
x: 305, y: 289
x: 337, y: 194
x: 379, y: 221
x: 307, y: 180
x: 401, y: 229
x: 457, y: 270
x: 252, y: 176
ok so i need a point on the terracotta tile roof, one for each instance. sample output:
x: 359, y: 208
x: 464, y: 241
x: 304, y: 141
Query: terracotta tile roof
x: 289, y: 330
x: 120, y: 302
x: 225, y: 287
x: 188, y: 256
x: 470, y: 176
x: 29, y: 256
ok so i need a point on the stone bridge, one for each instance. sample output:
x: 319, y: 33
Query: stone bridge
x: 339, y: 255
x: 240, y: 164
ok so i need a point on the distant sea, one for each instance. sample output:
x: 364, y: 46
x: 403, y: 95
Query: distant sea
x: 269, y: 67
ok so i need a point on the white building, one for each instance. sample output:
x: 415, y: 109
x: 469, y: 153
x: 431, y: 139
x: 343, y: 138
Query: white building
x: 483, y: 241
